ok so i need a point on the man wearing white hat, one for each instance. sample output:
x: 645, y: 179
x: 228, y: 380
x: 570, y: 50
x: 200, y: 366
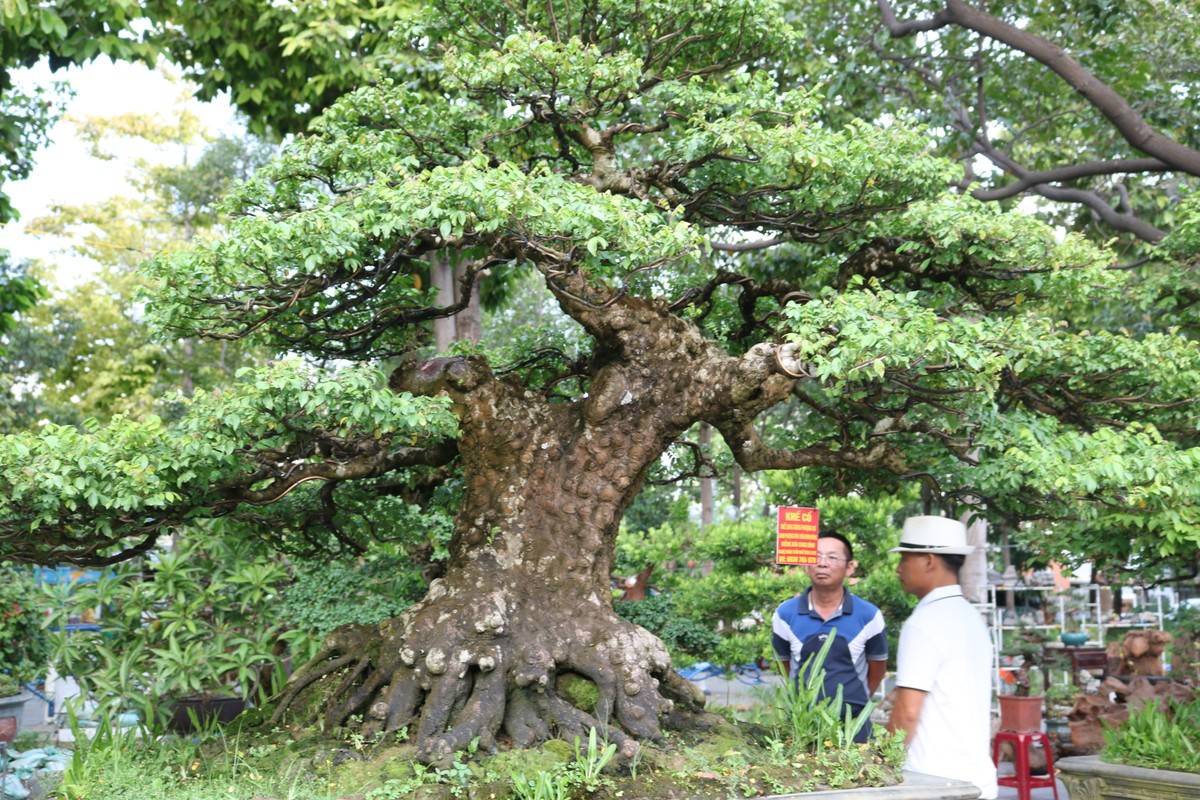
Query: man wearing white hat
x: 943, y: 697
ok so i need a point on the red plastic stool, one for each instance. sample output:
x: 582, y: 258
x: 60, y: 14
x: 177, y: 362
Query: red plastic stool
x: 1022, y: 779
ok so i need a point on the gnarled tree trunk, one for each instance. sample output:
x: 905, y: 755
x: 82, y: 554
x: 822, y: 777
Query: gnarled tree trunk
x: 526, y: 596
x: 525, y: 600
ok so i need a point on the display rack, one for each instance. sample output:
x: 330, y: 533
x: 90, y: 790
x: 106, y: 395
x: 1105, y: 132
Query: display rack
x: 1094, y: 623
x: 1094, y: 619
x: 999, y: 627
x: 1102, y: 624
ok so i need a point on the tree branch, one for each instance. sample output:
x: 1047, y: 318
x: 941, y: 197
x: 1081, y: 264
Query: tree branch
x: 1120, y: 221
x: 745, y: 247
x: 367, y: 465
x: 1031, y: 179
x: 752, y: 454
x: 1102, y: 97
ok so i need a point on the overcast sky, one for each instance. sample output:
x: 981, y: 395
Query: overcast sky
x: 66, y: 174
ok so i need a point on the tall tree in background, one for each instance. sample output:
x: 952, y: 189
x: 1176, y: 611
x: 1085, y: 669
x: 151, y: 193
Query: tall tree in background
x: 85, y: 352
x: 1090, y: 105
x: 282, y: 62
x: 721, y: 248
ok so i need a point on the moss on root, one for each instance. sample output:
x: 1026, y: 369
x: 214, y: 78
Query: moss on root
x: 578, y: 691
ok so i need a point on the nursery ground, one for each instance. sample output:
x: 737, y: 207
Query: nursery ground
x: 719, y: 691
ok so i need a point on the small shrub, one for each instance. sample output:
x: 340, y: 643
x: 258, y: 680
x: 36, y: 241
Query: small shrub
x: 23, y: 647
x: 683, y: 636
x: 326, y: 595
x: 200, y: 620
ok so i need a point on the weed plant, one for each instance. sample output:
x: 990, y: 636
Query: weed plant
x: 816, y: 733
x: 1158, y: 736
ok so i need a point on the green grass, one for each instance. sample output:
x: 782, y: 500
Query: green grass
x: 138, y: 763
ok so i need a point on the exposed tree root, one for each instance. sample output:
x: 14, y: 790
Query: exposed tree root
x: 457, y: 672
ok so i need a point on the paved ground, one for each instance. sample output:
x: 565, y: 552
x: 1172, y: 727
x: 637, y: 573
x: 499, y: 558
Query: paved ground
x: 741, y: 693
x: 1036, y: 794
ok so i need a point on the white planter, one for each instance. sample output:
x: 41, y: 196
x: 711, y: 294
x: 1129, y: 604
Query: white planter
x: 916, y: 786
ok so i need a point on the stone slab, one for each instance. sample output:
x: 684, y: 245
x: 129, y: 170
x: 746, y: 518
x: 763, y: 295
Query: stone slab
x: 916, y: 786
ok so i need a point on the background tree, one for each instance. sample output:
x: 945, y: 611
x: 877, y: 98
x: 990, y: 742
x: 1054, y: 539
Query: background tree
x: 282, y: 62
x: 1088, y: 107
x: 720, y: 248
x: 86, y: 351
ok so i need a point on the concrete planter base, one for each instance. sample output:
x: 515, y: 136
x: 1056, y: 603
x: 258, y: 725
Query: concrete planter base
x: 1089, y: 778
x: 915, y: 787
x: 11, y: 710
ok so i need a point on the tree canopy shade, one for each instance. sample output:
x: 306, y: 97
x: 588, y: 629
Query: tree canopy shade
x: 722, y: 249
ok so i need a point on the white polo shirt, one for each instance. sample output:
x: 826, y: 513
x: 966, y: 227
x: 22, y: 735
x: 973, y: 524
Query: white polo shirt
x: 946, y: 652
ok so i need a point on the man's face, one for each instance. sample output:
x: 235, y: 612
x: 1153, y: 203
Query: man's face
x: 910, y: 571
x: 833, y: 565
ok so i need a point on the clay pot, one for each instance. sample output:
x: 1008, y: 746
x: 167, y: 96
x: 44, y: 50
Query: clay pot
x: 1021, y: 714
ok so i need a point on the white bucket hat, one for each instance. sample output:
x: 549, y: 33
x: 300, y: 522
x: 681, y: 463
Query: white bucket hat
x: 937, y: 535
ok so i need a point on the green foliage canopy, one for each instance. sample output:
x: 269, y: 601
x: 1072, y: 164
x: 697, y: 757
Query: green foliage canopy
x: 87, y: 490
x: 663, y: 158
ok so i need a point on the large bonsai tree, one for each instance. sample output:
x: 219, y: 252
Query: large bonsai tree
x: 717, y: 252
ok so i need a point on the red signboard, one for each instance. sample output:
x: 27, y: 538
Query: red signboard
x: 796, y: 540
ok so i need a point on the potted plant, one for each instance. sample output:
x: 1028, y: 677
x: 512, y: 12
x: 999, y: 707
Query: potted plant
x: 1153, y: 754
x: 1060, y: 699
x: 1021, y: 710
x: 192, y: 628
x: 1073, y: 634
x: 23, y: 647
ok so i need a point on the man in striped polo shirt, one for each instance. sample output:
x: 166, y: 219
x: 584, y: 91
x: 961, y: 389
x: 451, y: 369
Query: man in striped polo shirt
x: 857, y: 658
